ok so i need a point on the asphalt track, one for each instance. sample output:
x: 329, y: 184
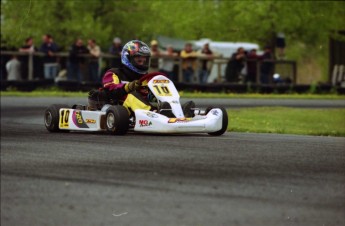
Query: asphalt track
x: 137, y: 179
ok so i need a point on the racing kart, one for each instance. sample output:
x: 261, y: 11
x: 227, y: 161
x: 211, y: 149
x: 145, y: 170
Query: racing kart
x: 116, y: 120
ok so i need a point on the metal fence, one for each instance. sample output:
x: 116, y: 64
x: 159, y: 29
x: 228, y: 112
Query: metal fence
x: 33, y: 66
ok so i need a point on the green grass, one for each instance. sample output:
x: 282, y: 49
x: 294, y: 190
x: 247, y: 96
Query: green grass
x: 320, y: 122
x: 60, y: 93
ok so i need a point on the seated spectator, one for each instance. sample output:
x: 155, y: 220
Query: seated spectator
x: 76, y: 62
x: 50, y: 63
x: 115, y: 49
x: 168, y: 62
x: 95, y: 52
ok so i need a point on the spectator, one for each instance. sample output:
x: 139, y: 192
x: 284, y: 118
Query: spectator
x: 28, y: 47
x: 13, y: 69
x: 154, y: 66
x: 115, y: 49
x: 205, y: 64
x: 252, y: 61
x: 168, y: 62
x: 188, y: 56
x: 235, y: 65
x: 49, y: 60
x: 280, y: 44
x: 95, y: 52
x: 266, y: 65
x: 76, y: 62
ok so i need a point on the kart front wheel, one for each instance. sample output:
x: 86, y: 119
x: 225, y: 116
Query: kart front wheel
x: 224, y: 123
x: 51, y: 117
x: 117, y: 120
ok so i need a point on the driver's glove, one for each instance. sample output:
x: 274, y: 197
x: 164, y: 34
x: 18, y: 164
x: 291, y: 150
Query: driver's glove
x: 131, y: 86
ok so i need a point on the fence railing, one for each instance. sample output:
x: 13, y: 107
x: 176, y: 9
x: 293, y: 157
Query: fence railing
x: 286, y: 68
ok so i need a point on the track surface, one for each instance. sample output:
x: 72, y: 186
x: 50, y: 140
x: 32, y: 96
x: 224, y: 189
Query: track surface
x: 97, y: 179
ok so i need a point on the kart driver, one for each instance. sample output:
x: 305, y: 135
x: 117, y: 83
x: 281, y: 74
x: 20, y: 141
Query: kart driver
x: 122, y: 85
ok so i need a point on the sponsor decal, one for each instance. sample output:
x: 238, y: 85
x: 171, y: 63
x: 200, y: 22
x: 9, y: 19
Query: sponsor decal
x: 91, y: 121
x: 178, y: 120
x: 144, y: 123
x: 161, y: 81
x: 151, y: 115
x: 161, y: 90
x: 145, y: 49
x: 175, y: 102
x: 78, y: 120
x: 215, y: 112
x: 64, y: 119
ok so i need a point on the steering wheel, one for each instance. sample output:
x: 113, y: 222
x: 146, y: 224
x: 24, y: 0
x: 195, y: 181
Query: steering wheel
x: 149, y: 76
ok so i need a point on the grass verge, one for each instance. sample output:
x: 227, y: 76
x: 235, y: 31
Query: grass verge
x: 319, y: 122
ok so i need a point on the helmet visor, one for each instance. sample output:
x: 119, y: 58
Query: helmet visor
x: 141, y: 62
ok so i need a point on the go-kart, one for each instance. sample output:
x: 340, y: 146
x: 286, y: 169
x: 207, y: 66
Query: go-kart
x: 116, y: 120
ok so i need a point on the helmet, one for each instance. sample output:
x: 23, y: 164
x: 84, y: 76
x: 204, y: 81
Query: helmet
x: 136, y: 56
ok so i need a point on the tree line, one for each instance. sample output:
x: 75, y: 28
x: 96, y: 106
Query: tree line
x: 307, y: 22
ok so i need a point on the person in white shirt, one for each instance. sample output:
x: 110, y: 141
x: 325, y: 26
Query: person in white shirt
x: 13, y: 69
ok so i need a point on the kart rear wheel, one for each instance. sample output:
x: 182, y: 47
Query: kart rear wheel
x: 51, y: 117
x: 117, y: 120
x: 224, y: 123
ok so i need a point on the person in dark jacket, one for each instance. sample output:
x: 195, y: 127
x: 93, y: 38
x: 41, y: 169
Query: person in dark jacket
x: 266, y: 67
x: 76, y: 61
x: 235, y: 65
x: 49, y: 47
x: 115, y: 49
x: 252, y: 62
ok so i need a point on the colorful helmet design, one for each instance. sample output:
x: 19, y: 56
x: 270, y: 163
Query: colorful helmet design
x: 135, y: 49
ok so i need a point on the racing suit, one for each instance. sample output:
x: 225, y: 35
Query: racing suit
x: 113, y: 91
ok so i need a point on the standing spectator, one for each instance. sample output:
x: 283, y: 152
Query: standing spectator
x: 28, y: 47
x: 266, y: 65
x: 115, y: 49
x: 235, y: 65
x: 155, y: 53
x: 49, y: 60
x: 205, y: 64
x: 13, y: 69
x: 188, y: 56
x: 95, y: 52
x: 168, y: 62
x: 280, y: 43
x: 252, y: 61
x: 76, y: 61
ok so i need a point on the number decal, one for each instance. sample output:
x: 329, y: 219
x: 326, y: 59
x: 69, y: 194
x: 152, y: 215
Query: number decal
x: 64, y: 117
x: 162, y: 90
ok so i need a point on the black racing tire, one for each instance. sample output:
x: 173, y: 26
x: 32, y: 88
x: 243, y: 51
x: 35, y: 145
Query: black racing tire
x: 51, y: 117
x: 117, y: 120
x: 224, y: 123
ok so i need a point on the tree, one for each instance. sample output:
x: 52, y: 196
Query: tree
x: 310, y: 22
